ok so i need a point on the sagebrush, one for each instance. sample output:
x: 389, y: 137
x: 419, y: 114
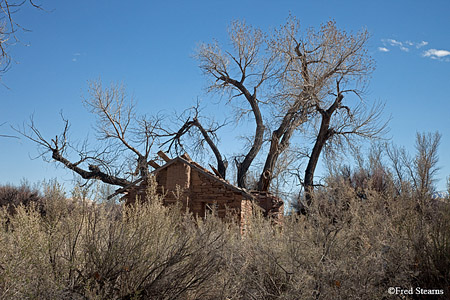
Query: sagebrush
x: 346, y: 247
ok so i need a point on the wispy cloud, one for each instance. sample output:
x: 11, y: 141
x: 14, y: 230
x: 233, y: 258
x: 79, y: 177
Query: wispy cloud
x: 408, y: 45
x: 421, y: 44
x: 437, y: 54
x: 394, y: 43
x: 403, y: 46
x: 404, y: 49
x: 75, y: 56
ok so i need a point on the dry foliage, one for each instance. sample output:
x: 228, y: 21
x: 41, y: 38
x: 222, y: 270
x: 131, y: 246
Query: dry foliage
x: 347, y: 247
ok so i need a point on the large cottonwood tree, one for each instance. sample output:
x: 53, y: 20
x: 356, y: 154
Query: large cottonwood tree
x: 287, y: 81
x: 298, y: 77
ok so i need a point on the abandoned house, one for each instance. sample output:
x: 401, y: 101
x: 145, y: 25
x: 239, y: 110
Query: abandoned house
x: 202, y: 191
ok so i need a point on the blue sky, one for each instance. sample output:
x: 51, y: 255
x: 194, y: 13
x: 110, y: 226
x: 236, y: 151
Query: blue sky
x: 149, y: 46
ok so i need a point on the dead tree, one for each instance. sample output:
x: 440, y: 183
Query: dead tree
x: 302, y: 78
x: 241, y: 74
x: 121, y: 132
x: 319, y: 69
x: 288, y: 81
x: 208, y: 135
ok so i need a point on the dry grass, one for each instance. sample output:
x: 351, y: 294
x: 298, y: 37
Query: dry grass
x: 345, y: 248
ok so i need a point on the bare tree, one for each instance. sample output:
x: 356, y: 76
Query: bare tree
x: 416, y: 174
x: 8, y: 28
x: 425, y: 162
x: 303, y: 77
x: 206, y: 135
x: 397, y: 157
x: 124, y: 137
x: 322, y: 67
x: 240, y: 73
x: 288, y: 81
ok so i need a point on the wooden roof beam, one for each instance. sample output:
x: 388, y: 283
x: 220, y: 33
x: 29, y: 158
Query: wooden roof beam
x: 215, y: 171
x: 163, y: 156
x: 154, y: 164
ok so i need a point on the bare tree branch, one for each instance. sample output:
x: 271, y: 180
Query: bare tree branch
x: 124, y: 138
x: 8, y: 28
x: 251, y: 71
x: 207, y: 134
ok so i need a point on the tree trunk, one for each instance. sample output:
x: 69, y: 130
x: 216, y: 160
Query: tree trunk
x: 221, y: 168
x: 291, y: 121
x: 94, y: 172
x: 272, y: 157
x: 324, y: 134
x: 242, y: 167
x: 314, y: 158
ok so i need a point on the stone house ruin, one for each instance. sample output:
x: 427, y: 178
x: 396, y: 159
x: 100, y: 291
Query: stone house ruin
x: 202, y: 191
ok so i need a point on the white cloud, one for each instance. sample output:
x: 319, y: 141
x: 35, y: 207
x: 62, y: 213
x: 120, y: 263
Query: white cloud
x: 404, y: 49
x: 76, y: 56
x: 421, y: 44
x: 394, y: 42
x: 401, y: 45
x: 404, y: 45
x: 407, y: 46
x: 436, y: 54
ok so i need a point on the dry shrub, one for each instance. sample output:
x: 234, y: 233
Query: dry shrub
x: 146, y: 251
x: 347, y: 247
x: 429, y: 233
x: 333, y: 253
x: 12, y: 196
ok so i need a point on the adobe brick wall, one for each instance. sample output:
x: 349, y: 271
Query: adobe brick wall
x: 205, y: 190
x: 272, y: 206
x: 246, y: 213
x: 178, y: 174
x: 195, y: 189
x: 176, y: 182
